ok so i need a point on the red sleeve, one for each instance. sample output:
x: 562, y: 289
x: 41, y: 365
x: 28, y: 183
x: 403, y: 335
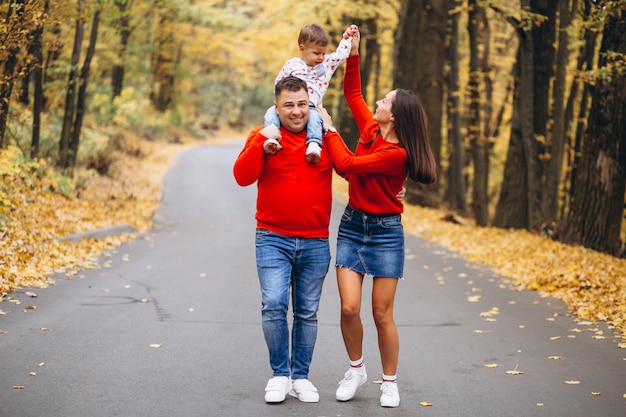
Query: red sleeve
x: 250, y: 162
x: 352, y: 92
x: 384, y: 160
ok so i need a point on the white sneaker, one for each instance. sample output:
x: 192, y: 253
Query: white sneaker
x: 305, y: 391
x: 271, y: 146
x: 313, y: 153
x: 276, y: 389
x: 352, y: 380
x: 390, y: 396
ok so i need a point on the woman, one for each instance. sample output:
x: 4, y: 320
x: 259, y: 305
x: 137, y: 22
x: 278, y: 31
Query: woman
x: 393, y: 144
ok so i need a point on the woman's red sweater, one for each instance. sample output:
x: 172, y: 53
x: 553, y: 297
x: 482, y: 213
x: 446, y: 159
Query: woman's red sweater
x: 377, y: 170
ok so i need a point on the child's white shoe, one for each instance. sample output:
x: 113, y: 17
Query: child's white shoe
x: 271, y: 146
x: 313, y: 153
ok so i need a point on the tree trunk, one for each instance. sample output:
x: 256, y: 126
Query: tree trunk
x: 37, y: 76
x: 11, y: 44
x: 456, y: 189
x: 419, y: 66
x: 544, y: 56
x: 597, y: 204
x: 557, y: 141
x: 164, y: 60
x: 477, y: 28
x: 70, y: 95
x: 574, y: 139
x: 512, y: 206
x: 117, y: 72
x: 82, y: 90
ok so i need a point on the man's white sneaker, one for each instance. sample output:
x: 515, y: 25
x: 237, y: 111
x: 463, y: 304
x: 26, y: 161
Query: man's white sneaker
x: 313, y: 153
x: 271, y: 146
x: 390, y: 396
x: 352, y: 380
x: 276, y: 389
x: 305, y: 391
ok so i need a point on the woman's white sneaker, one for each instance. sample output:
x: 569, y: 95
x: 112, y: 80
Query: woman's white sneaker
x: 352, y: 380
x: 390, y: 396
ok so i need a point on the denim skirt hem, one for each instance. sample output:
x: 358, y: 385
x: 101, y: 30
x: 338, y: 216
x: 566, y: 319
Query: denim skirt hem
x: 371, y: 244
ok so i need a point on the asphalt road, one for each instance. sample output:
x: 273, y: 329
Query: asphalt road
x: 170, y: 326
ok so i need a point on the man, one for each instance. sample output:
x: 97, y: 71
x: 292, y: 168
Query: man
x: 292, y: 250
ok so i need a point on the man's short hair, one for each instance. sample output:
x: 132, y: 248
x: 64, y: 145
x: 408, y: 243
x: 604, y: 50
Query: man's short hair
x: 290, y: 83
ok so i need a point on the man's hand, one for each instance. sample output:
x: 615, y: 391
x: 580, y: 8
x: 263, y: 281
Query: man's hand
x: 327, y: 120
x: 271, y: 132
x: 351, y: 31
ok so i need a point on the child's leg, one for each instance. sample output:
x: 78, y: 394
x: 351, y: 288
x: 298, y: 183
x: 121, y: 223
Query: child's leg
x: 314, y: 136
x: 271, y: 118
x: 271, y: 145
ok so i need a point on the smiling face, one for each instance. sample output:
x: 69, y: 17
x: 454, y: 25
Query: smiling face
x: 383, y: 108
x: 292, y: 108
x: 313, y: 54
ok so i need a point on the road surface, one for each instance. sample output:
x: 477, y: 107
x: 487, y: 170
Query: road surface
x: 170, y: 326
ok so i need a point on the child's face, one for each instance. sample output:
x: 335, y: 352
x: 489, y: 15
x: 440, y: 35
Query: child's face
x: 313, y: 54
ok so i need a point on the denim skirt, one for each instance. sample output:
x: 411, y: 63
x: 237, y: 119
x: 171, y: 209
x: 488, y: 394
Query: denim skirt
x: 371, y: 244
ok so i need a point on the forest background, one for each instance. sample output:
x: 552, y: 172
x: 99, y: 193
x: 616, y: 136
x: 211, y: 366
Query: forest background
x: 525, y: 102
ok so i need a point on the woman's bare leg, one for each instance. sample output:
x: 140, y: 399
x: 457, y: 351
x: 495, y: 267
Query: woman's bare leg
x: 350, y: 285
x: 383, y: 296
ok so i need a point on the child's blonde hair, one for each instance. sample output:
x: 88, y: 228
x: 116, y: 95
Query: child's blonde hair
x: 313, y: 33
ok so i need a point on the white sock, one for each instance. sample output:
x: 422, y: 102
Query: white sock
x: 389, y: 378
x: 357, y: 363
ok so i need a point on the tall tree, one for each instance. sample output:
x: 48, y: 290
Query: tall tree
x: 519, y: 205
x: 82, y: 90
x: 584, y: 65
x: 165, y: 57
x: 597, y: 204
x: 122, y: 26
x: 37, y: 76
x: 556, y: 136
x: 419, y: 66
x: 455, y: 187
x: 13, y: 39
x: 70, y: 93
x: 478, y: 29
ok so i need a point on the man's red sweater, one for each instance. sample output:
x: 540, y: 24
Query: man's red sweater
x: 377, y: 170
x: 293, y: 197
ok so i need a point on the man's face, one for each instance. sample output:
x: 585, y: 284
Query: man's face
x: 292, y: 108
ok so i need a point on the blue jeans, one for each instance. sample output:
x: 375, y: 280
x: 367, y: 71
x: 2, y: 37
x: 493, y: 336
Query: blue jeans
x: 296, y: 267
x: 313, y: 126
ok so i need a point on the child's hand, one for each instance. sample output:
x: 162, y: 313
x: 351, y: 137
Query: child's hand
x: 351, y: 31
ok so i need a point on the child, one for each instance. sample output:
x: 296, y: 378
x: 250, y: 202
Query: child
x: 316, y: 68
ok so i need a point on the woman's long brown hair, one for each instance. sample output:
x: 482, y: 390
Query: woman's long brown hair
x: 411, y: 129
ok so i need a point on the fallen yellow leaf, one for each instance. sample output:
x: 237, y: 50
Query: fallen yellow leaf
x: 425, y: 404
x: 595, y: 393
x: 572, y: 382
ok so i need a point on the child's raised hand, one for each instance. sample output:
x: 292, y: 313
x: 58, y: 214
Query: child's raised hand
x: 351, y: 31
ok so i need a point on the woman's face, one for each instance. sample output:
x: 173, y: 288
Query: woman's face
x: 383, y: 108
